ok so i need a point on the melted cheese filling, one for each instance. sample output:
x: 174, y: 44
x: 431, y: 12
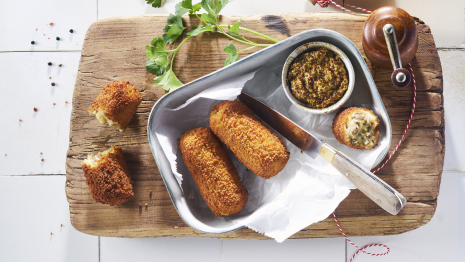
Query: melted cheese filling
x: 360, y: 130
x: 103, y: 119
x: 92, y: 160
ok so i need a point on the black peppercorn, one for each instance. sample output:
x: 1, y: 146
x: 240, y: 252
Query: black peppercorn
x: 49, y: 63
x: 58, y: 39
x: 32, y: 42
x: 53, y: 83
x: 71, y: 31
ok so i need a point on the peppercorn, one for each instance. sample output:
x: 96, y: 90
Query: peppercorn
x: 51, y: 233
x: 58, y: 39
x: 42, y: 160
x: 35, y: 109
x: 66, y: 102
x: 41, y: 153
x: 32, y: 42
x: 54, y: 103
x: 61, y: 225
x: 49, y: 63
x: 71, y: 31
x: 59, y: 65
x: 20, y: 120
x: 53, y: 83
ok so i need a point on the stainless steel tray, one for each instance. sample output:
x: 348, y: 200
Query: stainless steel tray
x: 272, y: 57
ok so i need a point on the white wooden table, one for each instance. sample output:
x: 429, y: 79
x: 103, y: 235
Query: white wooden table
x: 34, y: 213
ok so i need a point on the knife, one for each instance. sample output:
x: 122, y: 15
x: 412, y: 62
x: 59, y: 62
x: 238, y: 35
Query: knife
x: 372, y: 186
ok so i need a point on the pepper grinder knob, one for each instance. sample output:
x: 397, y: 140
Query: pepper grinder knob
x: 401, y: 76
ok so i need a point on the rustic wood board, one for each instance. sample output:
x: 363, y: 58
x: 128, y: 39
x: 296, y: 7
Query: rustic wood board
x: 114, y: 49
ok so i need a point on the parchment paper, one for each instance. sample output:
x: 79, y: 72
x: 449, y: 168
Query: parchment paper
x: 306, y: 191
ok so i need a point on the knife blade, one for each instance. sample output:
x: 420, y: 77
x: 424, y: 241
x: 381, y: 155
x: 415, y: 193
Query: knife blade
x: 371, y: 185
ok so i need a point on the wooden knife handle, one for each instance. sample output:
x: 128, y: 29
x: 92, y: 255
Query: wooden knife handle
x: 371, y: 185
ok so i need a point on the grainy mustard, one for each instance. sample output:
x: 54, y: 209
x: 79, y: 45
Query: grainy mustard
x: 318, y: 78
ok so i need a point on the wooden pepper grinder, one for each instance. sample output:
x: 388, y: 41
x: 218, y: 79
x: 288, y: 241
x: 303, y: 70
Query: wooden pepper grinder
x: 390, y: 38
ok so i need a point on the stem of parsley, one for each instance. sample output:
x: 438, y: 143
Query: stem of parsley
x: 255, y: 33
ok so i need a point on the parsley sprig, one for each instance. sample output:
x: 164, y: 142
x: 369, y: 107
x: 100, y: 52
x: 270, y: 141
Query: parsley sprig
x: 161, y: 59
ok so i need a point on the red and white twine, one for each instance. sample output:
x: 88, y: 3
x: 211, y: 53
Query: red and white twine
x: 325, y: 3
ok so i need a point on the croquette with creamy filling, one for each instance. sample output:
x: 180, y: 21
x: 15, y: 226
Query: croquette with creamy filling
x: 251, y: 141
x: 213, y: 171
x: 356, y: 128
x: 116, y: 104
x: 108, y: 177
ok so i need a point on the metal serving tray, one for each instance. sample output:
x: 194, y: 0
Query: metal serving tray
x: 273, y: 58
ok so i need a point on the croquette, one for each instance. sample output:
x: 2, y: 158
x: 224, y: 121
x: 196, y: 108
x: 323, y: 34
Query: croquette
x: 356, y: 128
x: 108, y: 177
x: 213, y: 171
x: 251, y: 141
x: 116, y: 104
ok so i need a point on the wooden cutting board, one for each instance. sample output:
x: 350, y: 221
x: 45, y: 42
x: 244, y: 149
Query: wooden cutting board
x: 114, y: 49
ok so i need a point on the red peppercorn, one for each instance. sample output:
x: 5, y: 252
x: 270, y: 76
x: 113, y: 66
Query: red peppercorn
x: 35, y: 109
x: 53, y: 83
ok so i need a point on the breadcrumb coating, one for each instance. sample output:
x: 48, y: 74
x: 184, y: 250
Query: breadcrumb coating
x: 116, y: 104
x: 356, y: 128
x: 108, y: 177
x: 253, y: 143
x: 213, y: 171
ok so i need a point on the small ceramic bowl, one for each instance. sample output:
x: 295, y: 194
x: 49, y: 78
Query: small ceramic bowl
x: 310, y: 47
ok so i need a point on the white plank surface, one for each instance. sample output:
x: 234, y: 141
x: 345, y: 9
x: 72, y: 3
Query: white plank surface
x: 160, y: 249
x: 26, y: 84
x: 445, y: 17
x: 329, y: 249
x: 111, y: 8
x: 19, y: 20
x: 436, y: 241
x: 453, y: 68
x: 31, y: 209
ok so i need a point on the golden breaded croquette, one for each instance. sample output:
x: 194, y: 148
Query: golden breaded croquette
x: 357, y: 128
x: 213, y: 171
x: 108, y: 177
x: 116, y: 104
x: 253, y: 143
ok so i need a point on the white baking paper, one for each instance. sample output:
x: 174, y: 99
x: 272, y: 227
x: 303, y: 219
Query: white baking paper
x: 306, y: 191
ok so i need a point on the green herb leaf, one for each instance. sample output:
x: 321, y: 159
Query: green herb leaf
x: 180, y: 9
x: 199, y: 30
x: 175, y: 19
x: 196, y: 8
x: 187, y: 4
x: 157, y: 54
x: 169, y: 81
x: 173, y: 29
x: 234, y: 29
x: 154, y: 3
x: 233, y: 54
x: 154, y: 68
x: 206, y: 18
